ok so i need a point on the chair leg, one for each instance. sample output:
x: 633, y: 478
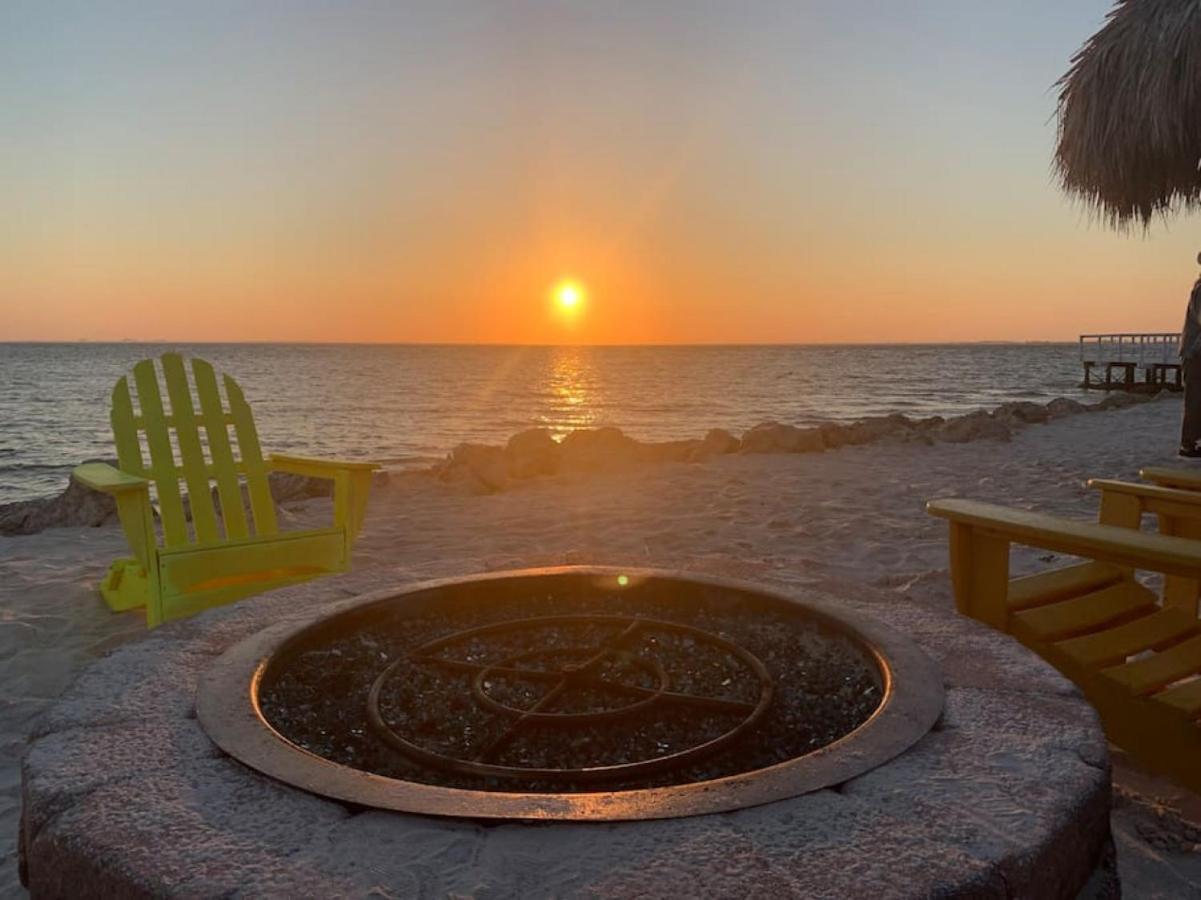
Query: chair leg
x: 980, y: 575
x: 125, y: 586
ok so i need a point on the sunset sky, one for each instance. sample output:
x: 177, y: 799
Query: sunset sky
x: 816, y: 170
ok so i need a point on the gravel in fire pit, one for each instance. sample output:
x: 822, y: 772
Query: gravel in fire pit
x: 438, y: 695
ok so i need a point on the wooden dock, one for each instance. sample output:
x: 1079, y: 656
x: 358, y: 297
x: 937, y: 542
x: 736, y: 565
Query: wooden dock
x: 1120, y: 358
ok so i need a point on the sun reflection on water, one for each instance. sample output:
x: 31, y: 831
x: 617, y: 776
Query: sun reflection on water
x: 573, y: 391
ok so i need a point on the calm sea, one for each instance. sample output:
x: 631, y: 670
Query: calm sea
x: 409, y: 404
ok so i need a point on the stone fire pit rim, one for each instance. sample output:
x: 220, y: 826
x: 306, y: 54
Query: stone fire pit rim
x: 228, y: 710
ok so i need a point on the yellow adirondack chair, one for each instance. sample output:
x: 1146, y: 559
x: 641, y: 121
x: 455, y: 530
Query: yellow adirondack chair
x: 1135, y: 656
x: 182, y: 567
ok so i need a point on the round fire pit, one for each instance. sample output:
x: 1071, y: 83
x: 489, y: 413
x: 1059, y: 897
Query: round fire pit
x: 569, y: 732
x: 571, y: 695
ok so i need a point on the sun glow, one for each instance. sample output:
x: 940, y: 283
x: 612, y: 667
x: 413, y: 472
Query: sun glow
x: 568, y: 297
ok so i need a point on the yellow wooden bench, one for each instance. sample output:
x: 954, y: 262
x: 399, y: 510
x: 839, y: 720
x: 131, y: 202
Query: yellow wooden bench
x: 1136, y: 657
x: 1184, y: 479
x: 192, y: 559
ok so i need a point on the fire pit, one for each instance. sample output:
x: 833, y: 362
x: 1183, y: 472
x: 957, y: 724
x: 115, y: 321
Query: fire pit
x: 571, y: 695
x: 569, y: 732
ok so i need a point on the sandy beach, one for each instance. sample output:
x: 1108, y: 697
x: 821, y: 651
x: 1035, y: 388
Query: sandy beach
x: 854, y: 514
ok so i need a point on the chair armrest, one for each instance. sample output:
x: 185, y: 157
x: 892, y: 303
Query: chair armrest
x: 132, y: 496
x: 1105, y: 543
x: 1150, y: 492
x: 316, y: 468
x: 352, y: 484
x: 107, y: 479
x: 1124, y: 503
x: 1185, y: 479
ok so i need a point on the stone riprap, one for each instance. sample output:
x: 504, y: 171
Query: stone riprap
x: 1009, y: 795
x: 489, y: 469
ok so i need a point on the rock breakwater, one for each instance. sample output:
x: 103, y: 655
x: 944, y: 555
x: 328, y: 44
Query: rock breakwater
x: 489, y: 468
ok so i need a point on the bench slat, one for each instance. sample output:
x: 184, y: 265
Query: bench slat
x: 1145, y: 676
x: 1085, y: 614
x: 1114, y: 645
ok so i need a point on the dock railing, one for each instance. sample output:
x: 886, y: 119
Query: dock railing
x: 1124, y: 353
x: 1142, y: 349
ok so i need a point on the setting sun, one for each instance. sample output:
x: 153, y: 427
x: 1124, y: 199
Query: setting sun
x: 568, y: 296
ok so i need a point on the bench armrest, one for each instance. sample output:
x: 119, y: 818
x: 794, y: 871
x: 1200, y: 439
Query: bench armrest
x: 1106, y: 543
x: 1149, y: 492
x: 1125, y: 504
x: 316, y: 468
x: 107, y: 479
x: 981, y: 535
x: 1185, y: 479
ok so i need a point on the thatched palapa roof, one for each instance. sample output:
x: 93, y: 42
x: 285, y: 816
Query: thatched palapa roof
x: 1130, y: 113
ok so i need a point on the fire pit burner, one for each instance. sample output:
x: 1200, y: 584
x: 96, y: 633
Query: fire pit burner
x: 573, y: 693
x: 572, y: 676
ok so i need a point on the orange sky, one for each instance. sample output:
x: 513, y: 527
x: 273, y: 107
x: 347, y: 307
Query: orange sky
x: 806, y: 173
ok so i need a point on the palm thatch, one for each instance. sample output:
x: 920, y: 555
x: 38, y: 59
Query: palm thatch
x: 1130, y: 113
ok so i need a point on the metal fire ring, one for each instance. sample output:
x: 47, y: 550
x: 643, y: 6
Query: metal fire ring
x: 564, y: 680
x: 227, y: 706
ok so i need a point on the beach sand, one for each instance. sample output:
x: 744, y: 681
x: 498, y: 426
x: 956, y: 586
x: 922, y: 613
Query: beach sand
x: 786, y: 520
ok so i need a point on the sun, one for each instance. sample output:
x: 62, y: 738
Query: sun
x: 568, y: 297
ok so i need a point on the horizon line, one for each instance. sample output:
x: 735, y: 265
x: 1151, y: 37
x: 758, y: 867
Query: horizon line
x: 506, y: 344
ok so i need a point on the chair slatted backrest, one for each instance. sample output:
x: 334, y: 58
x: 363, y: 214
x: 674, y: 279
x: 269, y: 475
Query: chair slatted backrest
x: 167, y: 444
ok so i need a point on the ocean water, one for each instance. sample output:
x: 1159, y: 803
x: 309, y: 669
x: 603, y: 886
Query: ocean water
x: 408, y: 405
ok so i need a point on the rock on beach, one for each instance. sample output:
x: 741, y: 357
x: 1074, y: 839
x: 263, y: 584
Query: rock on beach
x: 532, y: 453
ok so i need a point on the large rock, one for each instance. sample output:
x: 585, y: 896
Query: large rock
x: 286, y: 488
x: 973, y: 427
x: 718, y: 442
x: 485, y: 466
x: 598, y: 449
x: 773, y: 437
x: 1121, y: 400
x: 1024, y: 411
x: 868, y: 430
x: 1064, y: 406
x: 77, y: 506
x: 926, y: 430
x: 669, y: 451
x: 532, y: 452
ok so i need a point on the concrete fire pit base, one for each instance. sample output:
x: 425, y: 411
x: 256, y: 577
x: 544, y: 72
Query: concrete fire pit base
x: 124, y: 795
